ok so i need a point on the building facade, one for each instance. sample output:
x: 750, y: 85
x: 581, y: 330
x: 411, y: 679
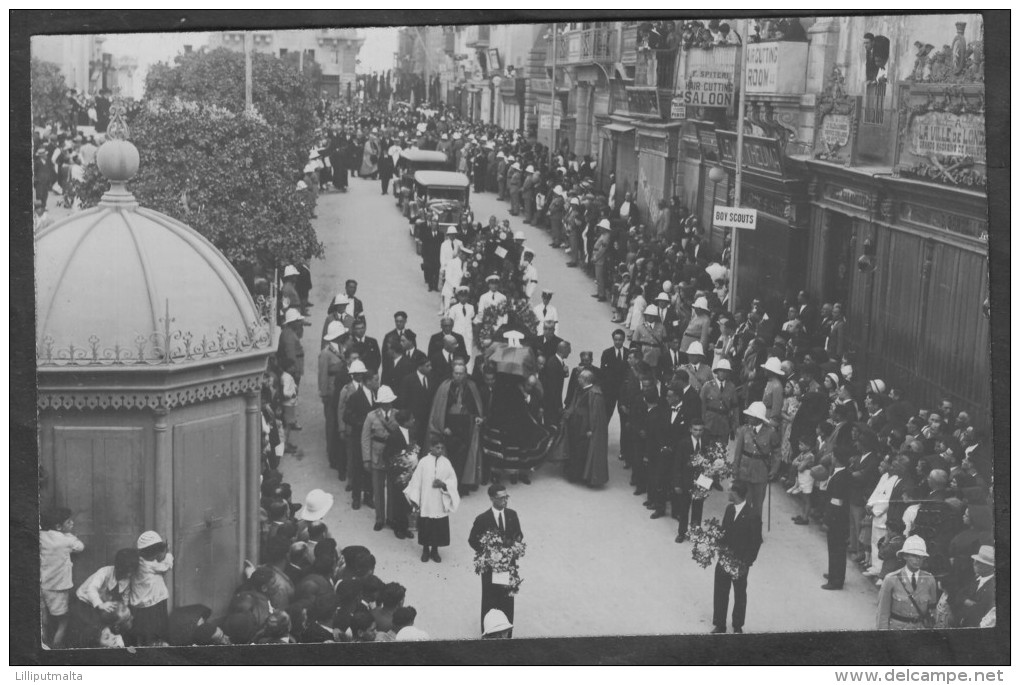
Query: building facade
x: 863, y: 155
x: 335, y: 51
x: 87, y: 67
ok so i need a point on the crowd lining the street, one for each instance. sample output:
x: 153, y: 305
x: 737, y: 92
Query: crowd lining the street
x: 896, y: 486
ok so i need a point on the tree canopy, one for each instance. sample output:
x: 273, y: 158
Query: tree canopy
x: 49, y: 94
x: 223, y: 174
x: 283, y: 95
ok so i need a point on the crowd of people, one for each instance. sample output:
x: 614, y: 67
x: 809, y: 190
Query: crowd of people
x: 778, y: 383
x: 413, y: 426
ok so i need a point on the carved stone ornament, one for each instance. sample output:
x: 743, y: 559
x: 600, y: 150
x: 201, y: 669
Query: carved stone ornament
x: 836, y: 121
x: 87, y: 400
x: 960, y: 62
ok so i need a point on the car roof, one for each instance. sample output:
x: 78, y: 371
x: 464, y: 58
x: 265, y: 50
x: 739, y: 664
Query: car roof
x: 441, y: 178
x: 423, y: 156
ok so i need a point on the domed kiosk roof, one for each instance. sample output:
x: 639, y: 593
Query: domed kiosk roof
x: 120, y: 285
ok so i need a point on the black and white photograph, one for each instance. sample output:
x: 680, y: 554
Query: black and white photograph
x: 357, y: 331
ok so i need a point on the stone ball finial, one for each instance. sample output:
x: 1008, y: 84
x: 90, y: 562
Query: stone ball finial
x: 117, y: 160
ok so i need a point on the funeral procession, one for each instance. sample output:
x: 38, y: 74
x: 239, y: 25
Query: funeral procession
x: 671, y: 326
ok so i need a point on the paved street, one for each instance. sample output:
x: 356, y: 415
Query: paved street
x: 595, y: 563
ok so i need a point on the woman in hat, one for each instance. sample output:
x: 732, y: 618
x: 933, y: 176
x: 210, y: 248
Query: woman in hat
x: 908, y: 597
x: 149, y: 594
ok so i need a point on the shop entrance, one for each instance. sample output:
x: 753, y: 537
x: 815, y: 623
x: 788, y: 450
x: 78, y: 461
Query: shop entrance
x: 839, y: 258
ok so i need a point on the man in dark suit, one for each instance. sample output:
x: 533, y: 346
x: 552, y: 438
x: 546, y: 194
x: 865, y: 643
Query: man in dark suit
x: 613, y: 369
x: 837, y: 519
x: 741, y: 528
x: 690, y: 398
x: 505, y: 521
x: 351, y: 287
x: 436, y: 341
x: 442, y: 360
x: 548, y: 342
x: 686, y: 508
x: 431, y: 246
x: 671, y: 361
x: 864, y: 477
x: 390, y: 340
x: 586, y: 361
x: 553, y: 375
x: 415, y: 395
x: 977, y: 598
x: 398, y: 441
x: 404, y: 362
x: 366, y: 347
x: 808, y: 314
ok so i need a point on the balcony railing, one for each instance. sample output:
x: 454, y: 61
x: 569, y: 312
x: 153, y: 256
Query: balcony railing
x: 589, y: 45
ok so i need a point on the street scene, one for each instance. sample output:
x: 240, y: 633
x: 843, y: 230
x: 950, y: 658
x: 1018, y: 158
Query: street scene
x: 513, y: 331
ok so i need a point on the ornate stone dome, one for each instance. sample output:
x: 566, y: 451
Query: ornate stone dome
x: 123, y: 285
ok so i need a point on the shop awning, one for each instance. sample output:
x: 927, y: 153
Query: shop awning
x: 618, y: 128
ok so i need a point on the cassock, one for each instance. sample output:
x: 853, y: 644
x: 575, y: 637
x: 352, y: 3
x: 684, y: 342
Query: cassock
x: 434, y: 504
x: 456, y: 408
x: 587, y: 438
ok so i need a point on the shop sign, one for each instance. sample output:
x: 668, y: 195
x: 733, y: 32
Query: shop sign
x: 763, y: 155
x: 953, y: 135
x: 929, y: 217
x: 857, y: 199
x: 707, y: 141
x: 776, y: 67
x: 768, y: 203
x: 678, y: 110
x: 734, y: 217
x: 941, y: 134
x: 707, y: 88
x: 837, y: 114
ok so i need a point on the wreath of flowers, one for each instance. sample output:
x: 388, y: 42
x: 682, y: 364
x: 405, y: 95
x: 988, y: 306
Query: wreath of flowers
x: 712, y: 464
x: 403, y: 466
x: 500, y: 555
x: 519, y: 316
x: 706, y: 547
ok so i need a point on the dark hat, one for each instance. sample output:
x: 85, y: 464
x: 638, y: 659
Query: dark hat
x: 240, y: 627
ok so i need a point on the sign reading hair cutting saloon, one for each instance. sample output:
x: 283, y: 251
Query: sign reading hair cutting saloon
x: 953, y: 135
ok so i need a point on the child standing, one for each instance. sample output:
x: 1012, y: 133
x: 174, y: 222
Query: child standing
x: 56, y: 544
x: 289, y: 402
x: 149, y: 593
x: 805, y: 485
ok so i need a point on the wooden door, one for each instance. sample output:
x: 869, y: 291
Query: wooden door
x: 207, y: 517
x: 100, y: 475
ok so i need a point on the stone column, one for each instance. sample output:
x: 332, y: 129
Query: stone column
x: 250, y: 480
x: 163, y: 485
x: 824, y: 37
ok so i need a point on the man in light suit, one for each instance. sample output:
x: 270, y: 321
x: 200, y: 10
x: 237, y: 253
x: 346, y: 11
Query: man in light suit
x: 741, y: 528
x: 504, y: 520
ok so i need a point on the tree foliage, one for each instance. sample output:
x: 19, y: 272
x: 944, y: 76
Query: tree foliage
x: 284, y: 96
x: 50, y: 102
x: 223, y: 174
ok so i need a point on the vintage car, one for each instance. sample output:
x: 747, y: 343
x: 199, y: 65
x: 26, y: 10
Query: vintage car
x: 410, y: 163
x: 442, y: 197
